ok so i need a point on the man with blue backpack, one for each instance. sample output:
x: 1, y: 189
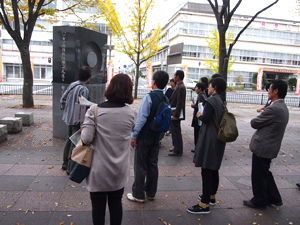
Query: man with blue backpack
x: 154, y: 117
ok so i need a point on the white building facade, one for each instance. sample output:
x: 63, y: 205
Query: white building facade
x: 269, y: 43
x: 41, y: 48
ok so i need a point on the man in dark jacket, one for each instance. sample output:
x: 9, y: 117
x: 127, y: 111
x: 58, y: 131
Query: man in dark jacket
x: 177, y: 102
x: 265, y: 145
x: 146, y: 142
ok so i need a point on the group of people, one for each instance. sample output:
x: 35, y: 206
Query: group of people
x: 119, y: 126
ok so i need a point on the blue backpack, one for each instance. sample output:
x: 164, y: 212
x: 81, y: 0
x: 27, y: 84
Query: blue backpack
x: 162, y: 118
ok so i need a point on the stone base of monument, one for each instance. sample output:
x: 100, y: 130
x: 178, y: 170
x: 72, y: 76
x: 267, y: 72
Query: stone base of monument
x: 3, y: 133
x: 27, y: 117
x: 14, y: 124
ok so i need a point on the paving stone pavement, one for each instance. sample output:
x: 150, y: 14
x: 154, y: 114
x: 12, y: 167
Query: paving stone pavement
x: 33, y: 189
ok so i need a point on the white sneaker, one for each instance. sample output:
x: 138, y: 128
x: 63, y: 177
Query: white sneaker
x: 131, y: 198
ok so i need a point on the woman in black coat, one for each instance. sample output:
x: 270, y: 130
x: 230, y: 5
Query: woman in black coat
x: 209, y: 150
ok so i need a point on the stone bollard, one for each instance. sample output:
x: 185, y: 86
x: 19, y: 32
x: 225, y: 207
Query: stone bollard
x: 27, y: 117
x: 14, y: 124
x: 3, y: 133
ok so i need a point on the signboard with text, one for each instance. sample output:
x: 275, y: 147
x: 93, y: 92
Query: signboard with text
x: 185, y: 68
x: 149, y: 75
x: 259, y: 78
x: 298, y: 84
x: 109, y: 71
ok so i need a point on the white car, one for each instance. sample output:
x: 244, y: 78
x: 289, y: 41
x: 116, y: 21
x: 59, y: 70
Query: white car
x: 190, y: 83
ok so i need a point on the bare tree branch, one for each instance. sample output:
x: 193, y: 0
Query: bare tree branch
x: 248, y: 24
x: 235, y: 8
x: 215, y: 9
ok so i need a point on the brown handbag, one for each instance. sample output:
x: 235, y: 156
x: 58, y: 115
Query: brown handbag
x: 81, y: 158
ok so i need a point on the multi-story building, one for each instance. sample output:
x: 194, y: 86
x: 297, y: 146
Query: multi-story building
x: 269, y: 43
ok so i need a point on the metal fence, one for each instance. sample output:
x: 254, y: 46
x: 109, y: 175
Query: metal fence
x: 17, y: 89
x: 247, y: 98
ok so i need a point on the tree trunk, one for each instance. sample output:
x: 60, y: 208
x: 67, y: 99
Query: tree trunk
x: 28, y: 78
x: 137, y: 69
x: 223, y: 66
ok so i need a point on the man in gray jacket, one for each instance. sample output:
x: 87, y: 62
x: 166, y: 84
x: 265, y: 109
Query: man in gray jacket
x: 265, y: 145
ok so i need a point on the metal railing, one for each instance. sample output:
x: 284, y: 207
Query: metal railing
x: 17, y: 89
x: 234, y: 97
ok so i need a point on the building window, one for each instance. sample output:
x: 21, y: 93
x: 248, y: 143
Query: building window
x: 14, y: 71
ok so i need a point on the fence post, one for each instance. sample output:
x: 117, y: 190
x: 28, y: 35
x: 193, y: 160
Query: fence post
x: 262, y: 97
x: 299, y: 103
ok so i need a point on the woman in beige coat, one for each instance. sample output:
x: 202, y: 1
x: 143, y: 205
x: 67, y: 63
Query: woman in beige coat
x: 110, y: 164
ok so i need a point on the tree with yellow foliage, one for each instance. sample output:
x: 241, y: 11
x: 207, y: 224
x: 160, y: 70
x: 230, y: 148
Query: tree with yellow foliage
x: 213, y: 44
x: 133, y: 37
x: 19, y: 18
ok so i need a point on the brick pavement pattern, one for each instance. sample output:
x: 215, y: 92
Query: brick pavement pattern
x: 33, y: 189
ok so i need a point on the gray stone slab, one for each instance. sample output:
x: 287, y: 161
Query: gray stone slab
x: 185, y: 183
x: 248, y: 216
x: 14, y: 124
x: 291, y: 196
x: 79, y: 218
x: 4, y: 168
x: 78, y: 201
x: 164, y: 184
x: 284, y: 214
x: 53, y: 170
x: 48, y: 183
x: 216, y: 216
x: 37, y: 201
x: 165, y: 160
x: 37, y: 158
x: 11, y: 157
x: 25, y: 170
x: 159, y: 217
x: 231, y: 199
x: 130, y: 218
x: 72, y: 186
x: 3, y: 133
x: 37, y: 218
x: 27, y: 118
x: 241, y: 182
x: 2, y: 215
x: 15, y: 183
x: 8, y: 199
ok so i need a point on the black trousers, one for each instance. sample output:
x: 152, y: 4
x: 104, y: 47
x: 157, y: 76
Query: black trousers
x: 264, y: 188
x: 196, y: 134
x: 69, y: 146
x: 114, y: 204
x: 210, y: 184
x: 145, y: 168
x: 177, y: 136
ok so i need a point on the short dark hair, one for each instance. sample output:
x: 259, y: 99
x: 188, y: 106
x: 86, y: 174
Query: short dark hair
x: 172, y: 80
x: 180, y: 73
x: 205, y: 81
x: 201, y: 86
x: 281, y: 85
x: 220, y: 83
x: 161, y: 78
x: 215, y: 76
x: 268, y: 85
x: 84, y: 73
x: 120, y: 89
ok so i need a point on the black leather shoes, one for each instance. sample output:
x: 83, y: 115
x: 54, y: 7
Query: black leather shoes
x: 276, y: 203
x: 298, y: 185
x: 193, y: 150
x: 250, y: 204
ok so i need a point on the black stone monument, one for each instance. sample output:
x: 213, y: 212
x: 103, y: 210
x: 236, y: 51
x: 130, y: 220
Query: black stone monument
x: 74, y: 47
